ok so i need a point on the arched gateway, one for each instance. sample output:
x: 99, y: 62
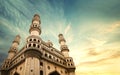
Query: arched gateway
x: 16, y: 73
x: 54, y: 73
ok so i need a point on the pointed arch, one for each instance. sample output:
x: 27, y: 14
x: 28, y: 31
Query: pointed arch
x: 54, y: 73
x: 16, y: 73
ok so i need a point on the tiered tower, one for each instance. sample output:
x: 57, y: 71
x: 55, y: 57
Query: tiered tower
x: 11, y: 53
x: 14, y: 47
x: 63, y: 46
x: 65, y: 51
x: 32, y: 61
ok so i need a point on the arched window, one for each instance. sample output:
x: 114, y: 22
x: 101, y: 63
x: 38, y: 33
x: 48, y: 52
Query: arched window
x: 38, y: 46
x: 20, y: 68
x: 41, y: 72
x: 34, y: 45
x: 30, y: 39
x: 38, y: 40
x: 45, y: 55
x: 68, y: 64
x: 41, y: 63
x: 67, y: 60
x: 29, y: 45
x: 34, y: 39
x: 48, y: 67
x: 61, y: 62
x: 57, y: 60
x: 50, y: 56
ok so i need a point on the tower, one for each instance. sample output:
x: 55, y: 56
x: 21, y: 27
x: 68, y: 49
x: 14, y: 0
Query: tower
x: 38, y: 57
x: 14, y: 47
x: 65, y: 51
x: 63, y: 46
x: 11, y: 53
x: 32, y: 61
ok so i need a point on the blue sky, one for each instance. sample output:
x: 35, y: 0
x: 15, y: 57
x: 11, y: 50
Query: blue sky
x: 91, y: 28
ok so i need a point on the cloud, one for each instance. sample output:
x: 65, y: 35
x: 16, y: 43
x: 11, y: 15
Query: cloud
x: 116, y: 54
x: 15, y: 21
x: 100, y: 58
x: 68, y: 33
x: 95, y: 42
x: 112, y: 28
x: 97, y: 53
x: 92, y: 52
x: 97, y: 73
x: 67, y: 28
x: 109, y: 28
x: 96, y: 62
x: 105, y: 63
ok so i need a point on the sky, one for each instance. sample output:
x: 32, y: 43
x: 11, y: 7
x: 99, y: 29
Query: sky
x: 90, y: 27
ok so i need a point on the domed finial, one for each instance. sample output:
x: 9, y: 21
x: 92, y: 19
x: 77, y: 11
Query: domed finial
x: 60, y: 35
x: 36, y: 17
x: 17, y: 39
x: 49, y: 43
x: 61, y: 38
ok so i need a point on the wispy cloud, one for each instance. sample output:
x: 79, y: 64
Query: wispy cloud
x: 101, y: 62
x: 92, y: 41
x: 67, y: 29
x: 96, y: 42
x: 112, y: 28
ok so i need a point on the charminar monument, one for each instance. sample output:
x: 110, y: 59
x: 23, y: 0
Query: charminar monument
x: 38, y: 57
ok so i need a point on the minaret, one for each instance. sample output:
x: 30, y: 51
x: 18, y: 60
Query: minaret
x: 14, y: 47
x: 63, y: 47
x: 35, y: 28
x: 65, y: 52
x: 32, y: 61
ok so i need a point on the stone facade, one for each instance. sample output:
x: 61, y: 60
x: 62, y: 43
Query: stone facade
x: 38, y: 57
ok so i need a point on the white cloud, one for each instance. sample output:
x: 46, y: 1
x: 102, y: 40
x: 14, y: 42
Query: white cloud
x: 67, y: 28
x: 95, y: 42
